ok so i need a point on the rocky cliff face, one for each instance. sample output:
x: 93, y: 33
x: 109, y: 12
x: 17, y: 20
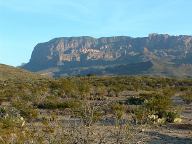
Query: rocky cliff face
x: 70, y: 52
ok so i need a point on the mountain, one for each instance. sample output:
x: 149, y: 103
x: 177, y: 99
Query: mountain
x: 157, y: 54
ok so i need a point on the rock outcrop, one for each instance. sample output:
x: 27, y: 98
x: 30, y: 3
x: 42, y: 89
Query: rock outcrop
x: 72, y: 52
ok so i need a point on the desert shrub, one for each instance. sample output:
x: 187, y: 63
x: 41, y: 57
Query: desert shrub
x: 158, y: 103
x: 134, y: 101
x: 140, y: 115
x: 73, y: 104
x: 84, y: 89
x: 161, y: 113
x: 161, y: 106
x: 100, y: 91
x: 9, y: 122
x: 89, y: 112
x: 26, y: 109
x: 183, y: 88
x: 168, y: 92
x: 115, y: 89
x: 118, y: 110
x: 10, y: 118
x: 149, y: 95
x: 170, y: 116
x: 187, y: 97
x: 68, y: 87
x: 2, y: 112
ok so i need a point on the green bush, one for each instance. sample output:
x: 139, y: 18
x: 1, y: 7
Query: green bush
x: 170, y: 117
x: 140, y: 115
x: 118, y: 110
x: 135, y: 101
x: 158, y: 103
x: 2, y: 112
x: 187, y: 97
x: 26, y: 110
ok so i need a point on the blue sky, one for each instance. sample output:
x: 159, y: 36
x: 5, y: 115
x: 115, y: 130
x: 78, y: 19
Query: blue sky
x: 24, y: 23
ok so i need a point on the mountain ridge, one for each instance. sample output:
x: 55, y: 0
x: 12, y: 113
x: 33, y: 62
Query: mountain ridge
x: 85, y: 52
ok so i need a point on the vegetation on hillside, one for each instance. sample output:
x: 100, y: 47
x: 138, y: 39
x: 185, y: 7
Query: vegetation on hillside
x: 77, y: 109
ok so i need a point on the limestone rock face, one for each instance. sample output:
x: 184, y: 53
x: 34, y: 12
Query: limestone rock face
x: 87, y: 51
